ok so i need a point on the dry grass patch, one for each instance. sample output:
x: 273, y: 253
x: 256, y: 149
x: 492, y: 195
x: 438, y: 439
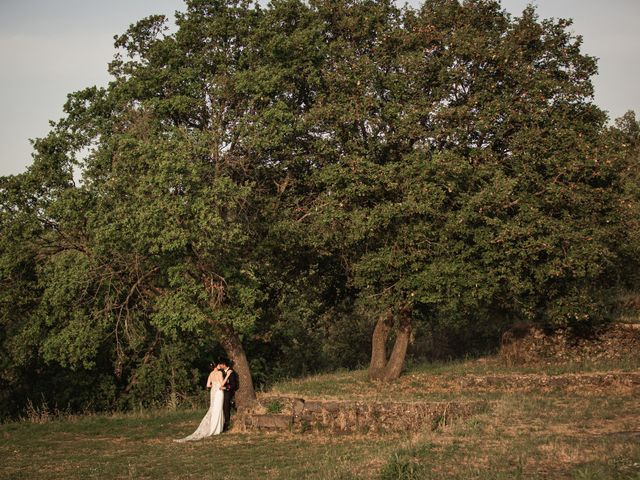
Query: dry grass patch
x: 584, y: 431
x: 536, y: 436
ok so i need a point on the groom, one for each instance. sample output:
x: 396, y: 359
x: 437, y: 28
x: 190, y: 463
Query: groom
x: 229, y: 388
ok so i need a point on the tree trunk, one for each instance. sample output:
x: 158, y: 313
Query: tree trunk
x: 399, y: 352
x: 230, y: 341
x: 379, y: 347
x: 381, y: 369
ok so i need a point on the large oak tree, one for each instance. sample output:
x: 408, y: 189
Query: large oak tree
x: 257, y: 170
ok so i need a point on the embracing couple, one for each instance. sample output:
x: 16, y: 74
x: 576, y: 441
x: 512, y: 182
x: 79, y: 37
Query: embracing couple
x: 223, y: 382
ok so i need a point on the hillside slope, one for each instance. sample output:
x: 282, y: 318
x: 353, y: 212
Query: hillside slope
x: 563, y: 421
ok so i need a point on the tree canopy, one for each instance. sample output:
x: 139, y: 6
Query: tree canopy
x: 295, y: 185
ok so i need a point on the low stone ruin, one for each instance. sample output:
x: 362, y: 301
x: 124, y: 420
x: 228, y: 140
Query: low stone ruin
x: 531, y: 345
x: 299, y: 416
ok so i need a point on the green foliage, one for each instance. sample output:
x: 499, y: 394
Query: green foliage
x: 274, y: 407
x: 291, y: 172
x: 494, y: 197
x: 407, y: 464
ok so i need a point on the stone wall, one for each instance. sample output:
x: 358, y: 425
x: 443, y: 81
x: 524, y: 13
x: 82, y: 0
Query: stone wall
x: 298, y: 415
x: 526, y: 344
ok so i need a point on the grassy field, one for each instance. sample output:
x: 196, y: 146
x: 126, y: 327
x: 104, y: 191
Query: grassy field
x: 441, y: 381
x: 554, y: 433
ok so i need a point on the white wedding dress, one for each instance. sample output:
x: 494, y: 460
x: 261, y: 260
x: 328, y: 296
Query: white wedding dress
x: 213, y: 421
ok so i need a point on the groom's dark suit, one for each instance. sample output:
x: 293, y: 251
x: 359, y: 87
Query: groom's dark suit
x: 229, y: 391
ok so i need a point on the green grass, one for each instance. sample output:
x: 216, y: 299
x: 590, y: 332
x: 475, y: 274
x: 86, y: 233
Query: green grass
x: 131, y: 446
x: 437, y: 381
x: 493, y: 366
x: 551, y: 436
x: 591, y: 433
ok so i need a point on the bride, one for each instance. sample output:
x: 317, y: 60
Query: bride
x: 213, y: 421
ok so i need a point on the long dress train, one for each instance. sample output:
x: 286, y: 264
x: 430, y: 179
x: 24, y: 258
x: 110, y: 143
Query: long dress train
x: 213, y: 421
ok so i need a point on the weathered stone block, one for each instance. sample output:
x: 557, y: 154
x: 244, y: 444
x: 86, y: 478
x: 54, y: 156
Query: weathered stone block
x: 271, y: 422
x: 297, y: 406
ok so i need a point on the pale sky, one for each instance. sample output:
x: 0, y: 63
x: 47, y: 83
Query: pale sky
x: 49, y: 48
